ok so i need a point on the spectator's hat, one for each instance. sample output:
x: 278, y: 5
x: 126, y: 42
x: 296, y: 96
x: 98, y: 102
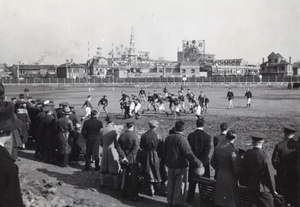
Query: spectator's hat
x: 130, y: 123
x: 94, y: 113
x: 33, y: 101
x: 153, y: 123
x: 104, y: 96
x: 13, y: 98
x: 8, y: 120
x: 21, y: 96
x: 50, y: 104
x: 289, y: 128
x: 46, y: 102
x: 109, y: 119
x: 66, y: 111
x: 47, y: 108
x: 71, y: 106
x: 39, y: 102
x: 64, y: 103
x: 26, y: 90
x: 258, y: 136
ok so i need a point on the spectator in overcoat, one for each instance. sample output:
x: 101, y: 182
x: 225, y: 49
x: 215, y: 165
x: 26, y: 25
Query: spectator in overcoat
x: 127, y: 147
x: 178, y: 156
x: 10, y: 191
x: 22, y: 114
x: 150, y: 160
x: 225, y: 161
x: 49, y: 134
x: 259, y: 174
x: 110, y: 157
x: 284, y: 160
x: 90, y: 132
x: 200, y: 143
x: 64, y: 129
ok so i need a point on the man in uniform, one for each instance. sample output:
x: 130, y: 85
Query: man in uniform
x: 259, y: 174
x: 91, y: 131
x: 230, y: 97
x: 104, y: 103
x: 127, y: 147
x: 248, y: 95
x: 284, y: 160
x: 199, y: 141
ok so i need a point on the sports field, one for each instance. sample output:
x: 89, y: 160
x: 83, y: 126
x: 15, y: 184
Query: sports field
x: 272, y: 107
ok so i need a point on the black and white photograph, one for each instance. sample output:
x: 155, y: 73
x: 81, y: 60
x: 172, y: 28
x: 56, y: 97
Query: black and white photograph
x: 172, y: 103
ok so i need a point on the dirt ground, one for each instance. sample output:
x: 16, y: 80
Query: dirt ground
x: 49, y: 185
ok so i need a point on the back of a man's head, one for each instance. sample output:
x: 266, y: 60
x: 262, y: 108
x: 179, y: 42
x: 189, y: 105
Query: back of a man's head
x: 223, y: 127
x: 200, y: 122
x: 179, y: 126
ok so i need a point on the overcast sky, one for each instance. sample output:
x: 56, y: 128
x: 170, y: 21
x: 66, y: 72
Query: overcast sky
x: 55, y: 30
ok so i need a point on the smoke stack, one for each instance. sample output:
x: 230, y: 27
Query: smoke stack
x: 290, y: 60
x: 263, y: 60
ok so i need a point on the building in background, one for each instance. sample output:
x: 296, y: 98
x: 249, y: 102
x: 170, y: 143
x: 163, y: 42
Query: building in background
x: 72, y: 70
x: 33, y: 71
x: 276, y: 66
x: 234, y: 67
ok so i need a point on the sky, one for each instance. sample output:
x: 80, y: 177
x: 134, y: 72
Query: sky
x: 51, y: 31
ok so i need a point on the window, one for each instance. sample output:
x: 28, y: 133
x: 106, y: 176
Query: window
x: 276, y: 61
x: 183, y: 70
x: 192, y: 70
x: 269, y: 60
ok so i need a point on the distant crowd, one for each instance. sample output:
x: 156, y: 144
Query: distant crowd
x: 164, y: 164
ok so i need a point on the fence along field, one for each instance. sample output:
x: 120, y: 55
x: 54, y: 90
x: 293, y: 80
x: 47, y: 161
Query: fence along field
x: 111, y: 79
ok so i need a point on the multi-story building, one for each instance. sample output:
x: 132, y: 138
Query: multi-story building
x: 26, y: 71
x: 276, y: 65
x: 237, y: 67
x: 72, y: 70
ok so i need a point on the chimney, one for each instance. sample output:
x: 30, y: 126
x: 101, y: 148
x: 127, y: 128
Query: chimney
x: 263, y: 60
x: 71, y: 61
x: 67, y: 60
x: 290, y: 60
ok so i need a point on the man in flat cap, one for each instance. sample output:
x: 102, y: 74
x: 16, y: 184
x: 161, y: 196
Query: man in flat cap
x: 127, y: 147
x: 259, y: 173
x: 178, y: 157
x: 90, y: 132
x: 284, y: 160
x: 150, y: 161
x: 10, y: 191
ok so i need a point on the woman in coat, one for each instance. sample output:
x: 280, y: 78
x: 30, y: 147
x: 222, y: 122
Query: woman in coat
x: 110, y: 157
x: 150, y: 159
x: 225, y: 161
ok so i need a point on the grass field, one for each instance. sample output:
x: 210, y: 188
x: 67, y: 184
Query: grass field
x: 272, y: 107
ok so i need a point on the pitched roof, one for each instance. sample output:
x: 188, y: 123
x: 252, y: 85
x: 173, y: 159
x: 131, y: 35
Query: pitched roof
x: 73, y: 65
x: 36, y: 67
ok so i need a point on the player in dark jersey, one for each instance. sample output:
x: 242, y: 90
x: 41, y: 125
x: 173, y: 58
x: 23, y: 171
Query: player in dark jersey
x: 104, y: 103
x: 142, y: 96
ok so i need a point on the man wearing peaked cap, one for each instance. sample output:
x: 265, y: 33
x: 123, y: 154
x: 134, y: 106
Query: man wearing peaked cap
x: 150, y: 160
x: 60, y: 109
x: 284, y: 160
x: 127, y: 147
x: 259, y: 175
x: 10, y: 191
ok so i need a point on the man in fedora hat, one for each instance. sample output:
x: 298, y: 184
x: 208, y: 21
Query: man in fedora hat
x: 64, y: 129
x: 259, y: 174
x: 284, y: 160
x: 90, y: 132
x: 10, y: 191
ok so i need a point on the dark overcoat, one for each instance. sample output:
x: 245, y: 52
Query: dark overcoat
x: 10, y: 191
x: 127, y: 146
x: 64, y: 128
x: 150, y: 160
x: 49, y: 132
x: 284, y: 160
x: 91, y: 132
x: 200, y: 143
x: 225, y: 162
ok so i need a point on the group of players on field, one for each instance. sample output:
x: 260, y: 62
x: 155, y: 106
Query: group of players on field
x: 131, y: 105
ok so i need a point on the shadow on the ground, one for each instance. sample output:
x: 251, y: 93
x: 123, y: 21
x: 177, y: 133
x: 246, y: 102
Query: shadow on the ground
x: 90, y: 180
